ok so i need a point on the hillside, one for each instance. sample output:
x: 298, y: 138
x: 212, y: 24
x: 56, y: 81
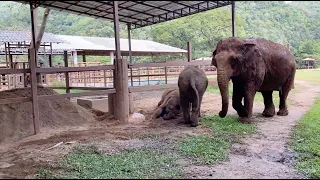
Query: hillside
x: 295, y: 23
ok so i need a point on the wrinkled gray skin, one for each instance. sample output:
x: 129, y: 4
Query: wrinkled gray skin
x: 192, y: 84
x: 253, y: 65
x: 169, y: 105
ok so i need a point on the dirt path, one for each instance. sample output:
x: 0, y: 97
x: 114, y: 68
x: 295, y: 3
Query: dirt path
x: 264, y: 154
x: 261, y: 155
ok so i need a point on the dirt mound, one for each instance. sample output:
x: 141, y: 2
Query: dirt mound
x: 16, y: 120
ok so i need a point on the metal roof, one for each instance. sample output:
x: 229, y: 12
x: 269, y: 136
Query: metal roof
x: 136, y: 13
x: 25, y: 36
x: 90, y: 44
x: 102, y: 46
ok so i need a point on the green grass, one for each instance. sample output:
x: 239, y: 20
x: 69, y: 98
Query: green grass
x: 307, y: 142
x: 214, y: 148
x: 63, y: 91
x: 133, y: 164
x: 308, y: 75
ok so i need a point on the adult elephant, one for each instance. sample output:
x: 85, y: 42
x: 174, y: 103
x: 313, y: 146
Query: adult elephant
x: 253, y: 65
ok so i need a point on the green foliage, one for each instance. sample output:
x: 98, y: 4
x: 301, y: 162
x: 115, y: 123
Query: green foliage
x: 306, y: 142
x: 90, y: 163
x: 214, y: 148
x: 295, y: 23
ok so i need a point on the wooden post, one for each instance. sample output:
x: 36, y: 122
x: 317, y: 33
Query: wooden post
x: 50, y: 60
x: 121, y: 74
x: 84, y: 58
x: 131, y: 105
x: 233, y: 11
x: 104, y: 78
x: 65, y: 58
x: 5, y: 48
x: 166, y: 75
x: 111, y: 103
x: 11, y: 61
x: 189, y: 51
x: 25, y: 83
x: 32, y: 65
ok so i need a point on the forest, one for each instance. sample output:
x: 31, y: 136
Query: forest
x: 296, y: 23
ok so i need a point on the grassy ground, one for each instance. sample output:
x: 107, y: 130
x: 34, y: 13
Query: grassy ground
x: 307, y: 142
x: 307, y: 132
x: 308, y: 75
x: 214, y: 148
x: 160, y: 162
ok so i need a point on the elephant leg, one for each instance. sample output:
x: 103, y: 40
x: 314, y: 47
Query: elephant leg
x: 237, y: 96
x: 249, y: 94
x: 269, y: 109
x: 185, y: 105
x: 194, y: 113
x: 200, y: 101
x: 283, y: 111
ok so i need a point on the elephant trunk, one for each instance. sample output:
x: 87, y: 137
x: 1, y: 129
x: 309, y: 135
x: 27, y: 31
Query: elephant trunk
x: 223, y: 82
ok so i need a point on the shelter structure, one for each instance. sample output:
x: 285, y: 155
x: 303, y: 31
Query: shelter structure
x: 135, y: 14
x: 80, y: 45
x: 308, y: 63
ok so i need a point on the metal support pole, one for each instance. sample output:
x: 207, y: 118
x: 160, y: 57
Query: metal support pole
x: 233, y: 11
x: 120, y: 75
x: 189, y: 51
x: 33, y: 60
x: 130, y: 52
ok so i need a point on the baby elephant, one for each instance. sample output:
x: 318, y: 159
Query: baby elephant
x: 169, y: 105
x: 192, y: 84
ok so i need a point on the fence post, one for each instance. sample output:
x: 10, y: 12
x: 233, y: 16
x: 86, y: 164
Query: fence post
x: 65, y: 58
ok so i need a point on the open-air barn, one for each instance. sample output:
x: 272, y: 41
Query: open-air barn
x: 135, y: 14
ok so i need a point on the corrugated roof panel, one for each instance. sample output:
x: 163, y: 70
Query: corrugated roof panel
x: 140, y: 9
x: 25, y: 36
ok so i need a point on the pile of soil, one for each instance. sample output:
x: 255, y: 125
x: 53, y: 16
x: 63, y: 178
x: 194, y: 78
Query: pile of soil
x: 16, y: 120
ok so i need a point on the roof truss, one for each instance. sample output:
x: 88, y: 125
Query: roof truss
x: 136, y: 13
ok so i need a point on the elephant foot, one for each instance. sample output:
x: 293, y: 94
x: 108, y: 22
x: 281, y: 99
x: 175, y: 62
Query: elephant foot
x: 282, y: 112
x: 269, y: 112
x: 194, y: 124
x: 246, y: 120
x: 241, y: 114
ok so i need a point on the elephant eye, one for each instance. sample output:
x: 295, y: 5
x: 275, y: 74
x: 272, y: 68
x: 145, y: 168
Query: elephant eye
x: 233, y: 61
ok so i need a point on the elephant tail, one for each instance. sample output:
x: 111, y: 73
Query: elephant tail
x: 193, y: 85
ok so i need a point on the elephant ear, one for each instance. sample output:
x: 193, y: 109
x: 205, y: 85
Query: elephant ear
x: 214, y: 62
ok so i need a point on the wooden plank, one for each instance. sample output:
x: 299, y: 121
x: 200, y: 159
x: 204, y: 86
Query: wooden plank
x: 14, y: 71
x: 73, y: 69
x: 172, y: 63
x: 71, y: 95
x: 15, y: 100
x: 151, y: 87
